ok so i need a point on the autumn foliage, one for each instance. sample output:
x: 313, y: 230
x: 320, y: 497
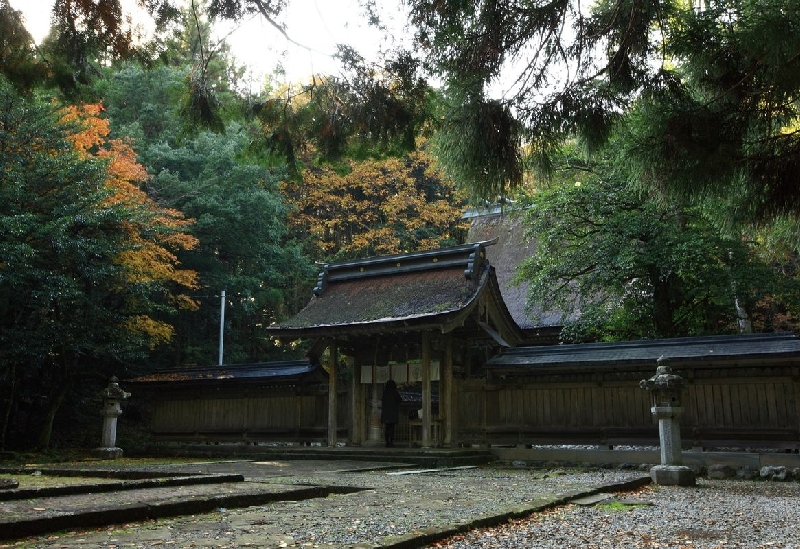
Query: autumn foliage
x: 153, y: 235
x: 378, y: 207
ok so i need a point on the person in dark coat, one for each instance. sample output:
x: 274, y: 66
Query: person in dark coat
x: 390, y: 410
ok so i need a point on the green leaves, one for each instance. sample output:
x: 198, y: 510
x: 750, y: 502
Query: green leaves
x: 370, y: 112
x: 623, y: 267
x: 706, y: 95
x: 240, y: 221
x: 479, y: 146
x: 19, y: 64
x: 56, y: 244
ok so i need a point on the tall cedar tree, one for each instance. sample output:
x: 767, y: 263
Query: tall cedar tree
x: 713, y: 86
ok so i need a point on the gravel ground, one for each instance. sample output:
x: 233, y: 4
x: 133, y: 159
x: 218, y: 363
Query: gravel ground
x: 397, y: 507
x: 403, y: 504
x: 717, y: 514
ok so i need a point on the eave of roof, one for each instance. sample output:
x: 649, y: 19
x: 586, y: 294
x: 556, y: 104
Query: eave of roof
x: 262, y: 371
x: 392, y: 303
x: 716, y: 349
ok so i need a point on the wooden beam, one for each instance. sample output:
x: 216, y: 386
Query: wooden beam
x: 426, y: 389
x: 358, y: 405
x: 446, y: 408
x: 332, y: 394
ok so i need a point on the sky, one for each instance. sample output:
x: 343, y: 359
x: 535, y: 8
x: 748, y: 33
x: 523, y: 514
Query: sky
x: 316, y: 24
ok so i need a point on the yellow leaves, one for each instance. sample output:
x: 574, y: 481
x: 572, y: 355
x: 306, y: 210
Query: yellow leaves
x: 150, y: 262
x: 185, y: 303
x: 156, y: 332
x: 379, y: 207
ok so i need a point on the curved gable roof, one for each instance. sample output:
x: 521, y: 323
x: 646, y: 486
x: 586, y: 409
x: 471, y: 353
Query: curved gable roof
x: 512, y: 249
x: 413, y: 291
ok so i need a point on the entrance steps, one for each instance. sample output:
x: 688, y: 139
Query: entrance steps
x: 426, y: 457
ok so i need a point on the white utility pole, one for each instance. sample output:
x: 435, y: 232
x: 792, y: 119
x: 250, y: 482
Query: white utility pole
x: 221, y: 325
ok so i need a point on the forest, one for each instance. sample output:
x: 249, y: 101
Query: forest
x: 651, y: 148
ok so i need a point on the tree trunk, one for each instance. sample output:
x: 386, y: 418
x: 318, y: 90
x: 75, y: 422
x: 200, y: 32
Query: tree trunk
x: 10, y: 394
x: 663, y: 304
x: 742, y: 318
x: 55, y: 401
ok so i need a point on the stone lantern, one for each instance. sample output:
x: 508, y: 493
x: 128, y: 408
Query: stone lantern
x: 665, y: 390
x: 112, y: 396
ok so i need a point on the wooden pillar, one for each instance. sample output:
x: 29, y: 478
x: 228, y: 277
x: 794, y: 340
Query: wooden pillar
x: 426, y: 389
x: 332, y: 394
x: 796, y: 384
x: 467, y: 360
x: 358, y: 405
x: 446, y: 409
x: 298, y: 407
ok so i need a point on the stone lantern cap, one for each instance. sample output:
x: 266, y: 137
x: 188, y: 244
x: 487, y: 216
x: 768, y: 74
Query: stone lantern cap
x: 664, y: 380
x: 114, y: 391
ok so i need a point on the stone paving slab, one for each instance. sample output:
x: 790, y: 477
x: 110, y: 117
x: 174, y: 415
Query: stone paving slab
x: 283, y: 504
x: 201, y: 487
x: 20, y: 518
x: 594, y: 499
x: 278, y: 525
x: 249, y: 468
x: 115, y: 486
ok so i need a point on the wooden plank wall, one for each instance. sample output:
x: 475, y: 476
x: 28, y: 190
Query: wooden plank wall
x: 752, y: 407
x: 257, y: 416
x: 748, y: 410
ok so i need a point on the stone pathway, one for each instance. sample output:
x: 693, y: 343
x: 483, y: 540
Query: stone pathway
x: 367, y: 506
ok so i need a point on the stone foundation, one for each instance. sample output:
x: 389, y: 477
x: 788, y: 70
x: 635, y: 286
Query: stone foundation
x: 672, y: 475
x: 107, y: 453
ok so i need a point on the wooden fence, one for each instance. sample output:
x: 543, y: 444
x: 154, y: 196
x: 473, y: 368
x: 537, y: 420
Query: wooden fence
x: 269, y: 415
x: 723, y: 407
x: 740, y: 407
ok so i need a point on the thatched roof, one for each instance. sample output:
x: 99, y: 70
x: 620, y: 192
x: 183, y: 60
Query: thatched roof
x: 511, y: 250
x: 434, y: 289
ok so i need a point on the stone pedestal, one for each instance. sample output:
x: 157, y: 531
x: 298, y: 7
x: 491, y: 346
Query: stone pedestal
x: 107, y: 453
x: 669, y: 434
x: 672, y: 475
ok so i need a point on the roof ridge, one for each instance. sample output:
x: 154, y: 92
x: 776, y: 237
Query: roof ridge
x: 471, y: 256
x: 419, y: 253
x: 244, y: 366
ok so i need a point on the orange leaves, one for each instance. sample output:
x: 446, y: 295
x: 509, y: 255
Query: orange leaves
x: 92, y: 140
x: 123, y: 169
x: 153, y: 233
x: 94, y: 129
